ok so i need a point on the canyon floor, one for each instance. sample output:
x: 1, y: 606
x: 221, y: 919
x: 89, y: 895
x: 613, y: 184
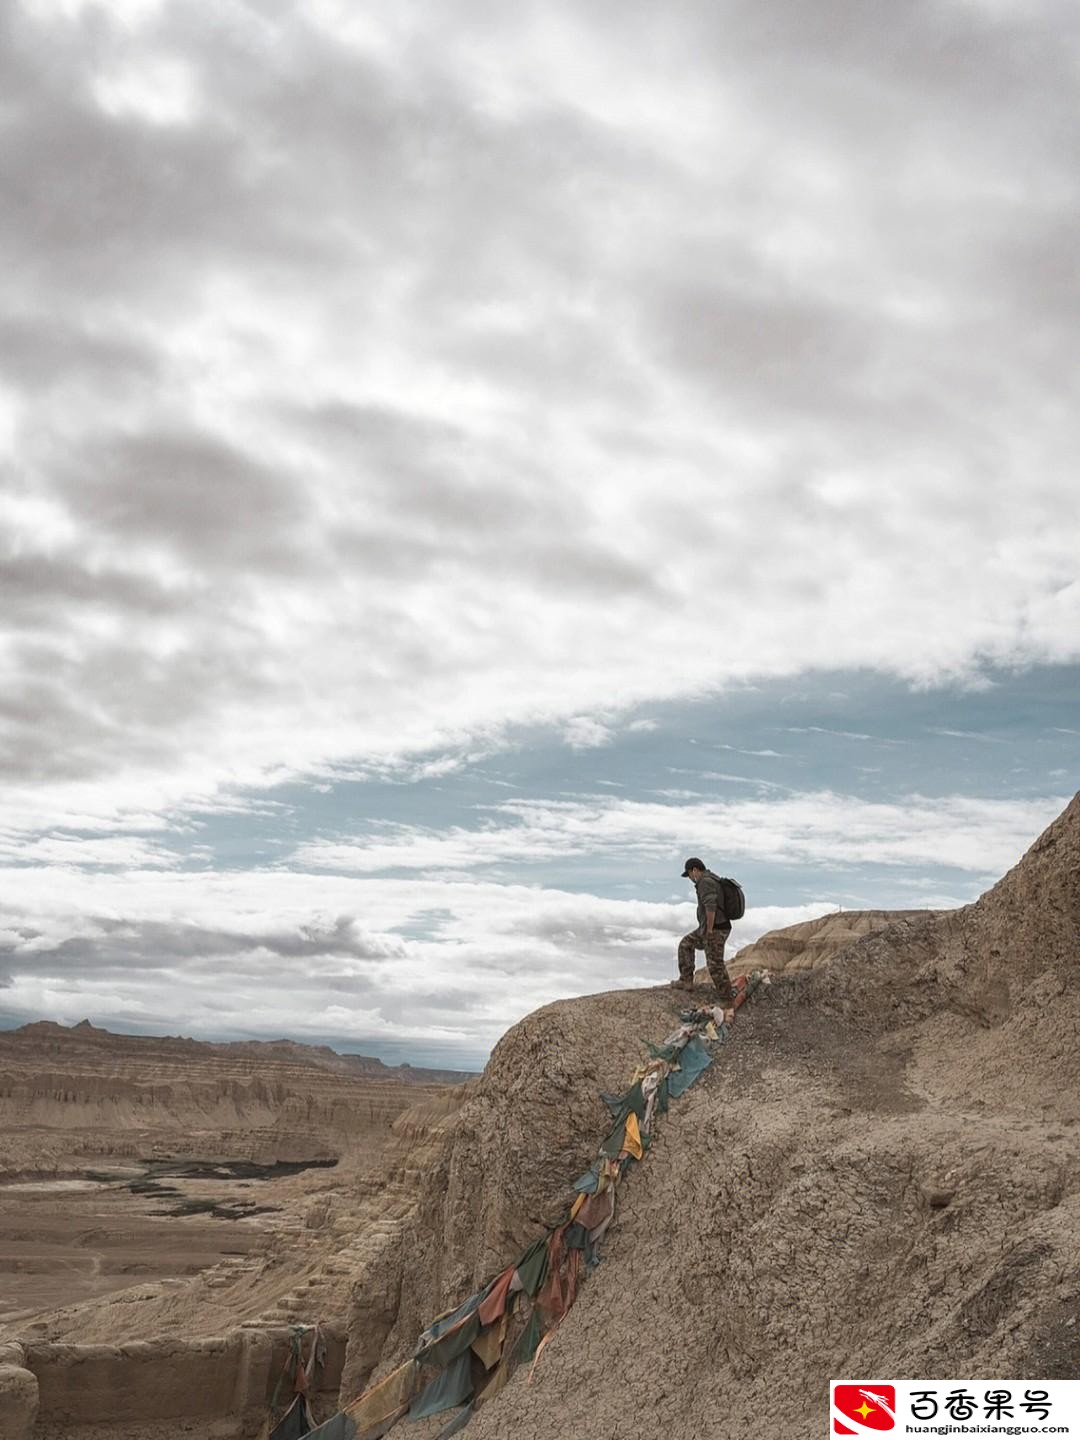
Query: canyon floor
x: 145, y: 1180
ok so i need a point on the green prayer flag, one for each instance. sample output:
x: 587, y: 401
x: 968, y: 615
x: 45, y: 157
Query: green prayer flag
x: 532, y: 1267
x: 452, y: 1387
x: 449, y: 1346
x: 530, y: 1338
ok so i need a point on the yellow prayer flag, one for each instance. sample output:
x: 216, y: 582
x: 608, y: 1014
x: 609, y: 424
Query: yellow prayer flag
x: 632, y: 1139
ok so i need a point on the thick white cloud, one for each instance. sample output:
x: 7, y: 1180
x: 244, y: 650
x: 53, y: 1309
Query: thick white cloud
x: 373, y: 383
x: 981, y: 836
x: 126, y: 852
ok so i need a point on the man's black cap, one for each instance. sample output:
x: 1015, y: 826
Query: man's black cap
x: 692, y: 864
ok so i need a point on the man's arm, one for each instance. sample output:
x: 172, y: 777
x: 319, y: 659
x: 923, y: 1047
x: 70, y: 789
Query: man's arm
x: 712, y: 899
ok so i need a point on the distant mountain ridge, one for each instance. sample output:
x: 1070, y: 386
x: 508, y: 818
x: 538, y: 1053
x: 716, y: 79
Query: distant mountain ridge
x: 90, y: 1039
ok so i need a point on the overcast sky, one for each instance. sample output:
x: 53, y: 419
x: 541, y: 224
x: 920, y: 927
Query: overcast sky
x: 457, y: 460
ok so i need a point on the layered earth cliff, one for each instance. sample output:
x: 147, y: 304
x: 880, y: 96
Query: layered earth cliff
x: 814, y: 943
x: 144, y: 1096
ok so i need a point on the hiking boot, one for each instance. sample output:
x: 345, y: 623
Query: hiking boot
x: 682, y: 984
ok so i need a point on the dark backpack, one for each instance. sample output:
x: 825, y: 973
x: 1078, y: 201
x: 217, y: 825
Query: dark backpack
x: 734, y: 899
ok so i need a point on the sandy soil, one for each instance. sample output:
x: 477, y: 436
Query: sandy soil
x: 66, y: 1241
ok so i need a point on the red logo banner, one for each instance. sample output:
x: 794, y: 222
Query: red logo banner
x: 863, y: 1408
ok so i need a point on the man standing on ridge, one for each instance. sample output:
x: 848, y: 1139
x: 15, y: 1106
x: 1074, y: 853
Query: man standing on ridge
x: 711, y: 934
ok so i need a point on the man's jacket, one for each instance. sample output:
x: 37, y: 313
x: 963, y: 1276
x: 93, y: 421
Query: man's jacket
x: 710, y: 896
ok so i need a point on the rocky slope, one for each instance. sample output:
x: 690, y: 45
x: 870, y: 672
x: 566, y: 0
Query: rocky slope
x: 880, y: 1176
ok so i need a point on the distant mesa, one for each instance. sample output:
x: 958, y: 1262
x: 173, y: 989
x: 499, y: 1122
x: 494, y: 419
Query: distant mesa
x: 814, y: 943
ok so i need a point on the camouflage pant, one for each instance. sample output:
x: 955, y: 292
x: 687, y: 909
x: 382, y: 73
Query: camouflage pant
x: 713, y: 945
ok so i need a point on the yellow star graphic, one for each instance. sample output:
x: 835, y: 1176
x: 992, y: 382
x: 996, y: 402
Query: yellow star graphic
x: 864, y: 1410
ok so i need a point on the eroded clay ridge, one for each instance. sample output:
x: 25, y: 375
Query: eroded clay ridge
x: 881, y: 1177
x: 814, y: 943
